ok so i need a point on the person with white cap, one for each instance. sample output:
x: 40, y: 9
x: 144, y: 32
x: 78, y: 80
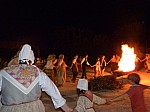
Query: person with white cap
x: 86, y: 98
x: 20, y: 86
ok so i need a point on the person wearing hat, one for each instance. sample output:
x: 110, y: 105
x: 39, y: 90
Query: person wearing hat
x: 21, y: 85
x: 86, y: 98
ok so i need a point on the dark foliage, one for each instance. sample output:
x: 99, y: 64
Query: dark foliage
x: 105, y: 82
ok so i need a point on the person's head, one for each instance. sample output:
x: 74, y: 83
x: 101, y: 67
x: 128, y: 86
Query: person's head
x: 103, y: 57
x: 76, y: 56
x: 26, y: 55
x: 98, y: 59
x: 114, y: 56
x: 61, y: 56
x: 50, y: 57
x: 134, y: 77
x: 82, y: 86
x: 86, y: 56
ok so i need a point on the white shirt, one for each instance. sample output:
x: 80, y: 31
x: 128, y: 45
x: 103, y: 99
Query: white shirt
x: 46, y: 85
x: 83, y: 61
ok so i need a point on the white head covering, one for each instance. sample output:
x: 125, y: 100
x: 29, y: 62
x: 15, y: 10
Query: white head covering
x: 82, y: 84
x: 32, y: 58
x: 26, y: 54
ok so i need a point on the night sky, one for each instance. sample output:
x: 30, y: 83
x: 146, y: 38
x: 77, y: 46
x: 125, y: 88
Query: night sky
x: 57, y: 26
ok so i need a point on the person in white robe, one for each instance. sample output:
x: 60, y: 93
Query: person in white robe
x: 21, y: 85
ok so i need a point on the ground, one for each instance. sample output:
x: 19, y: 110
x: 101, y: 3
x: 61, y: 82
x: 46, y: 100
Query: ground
x: 68, y: 91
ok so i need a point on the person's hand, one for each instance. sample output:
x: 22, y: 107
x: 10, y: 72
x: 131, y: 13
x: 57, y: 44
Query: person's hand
x: 43, y: 69
x: 108, y: 102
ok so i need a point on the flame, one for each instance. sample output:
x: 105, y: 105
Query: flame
x: 127, y: 61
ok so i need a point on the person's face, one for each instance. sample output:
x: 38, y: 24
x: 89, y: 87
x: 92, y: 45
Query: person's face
x: 76, y: 56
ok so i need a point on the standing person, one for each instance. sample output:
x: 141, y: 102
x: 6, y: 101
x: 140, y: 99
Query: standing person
x: 103, y: 65
x: 84, y: 64
x: 14, y: 60
x: 61, y: 70
x: 97, y: 68
x: 135, y: 93
x: 117, y: 61
x: 74, y: 67
x: 147, y: 62
x: 137, y: 59
x: 49, y: 67
x: 20, y: 86
x: 64, y: 74
x: 86, y: 98
x: 113, y: 63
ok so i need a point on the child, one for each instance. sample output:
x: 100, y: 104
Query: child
x: 135, y: 93
x: 86, y: 98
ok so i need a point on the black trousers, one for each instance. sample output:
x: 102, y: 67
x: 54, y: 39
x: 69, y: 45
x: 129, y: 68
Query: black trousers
x: 84, y: 72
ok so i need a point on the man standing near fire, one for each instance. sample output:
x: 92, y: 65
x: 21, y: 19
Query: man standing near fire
x: 117, y: 61
x: 84, y: 64
x: 113, y: 63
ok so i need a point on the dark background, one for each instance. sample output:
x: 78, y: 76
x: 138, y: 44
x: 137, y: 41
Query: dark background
x: 74, y: 27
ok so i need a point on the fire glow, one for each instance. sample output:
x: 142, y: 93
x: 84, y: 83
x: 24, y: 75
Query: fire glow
x: 127, y: 61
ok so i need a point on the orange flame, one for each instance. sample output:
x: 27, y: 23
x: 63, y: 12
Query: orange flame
x: 127, y: 61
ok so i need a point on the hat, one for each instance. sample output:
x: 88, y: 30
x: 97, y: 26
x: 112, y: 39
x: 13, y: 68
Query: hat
x: 82, y: 84
x: 26, y: 54
x: 32, y: 58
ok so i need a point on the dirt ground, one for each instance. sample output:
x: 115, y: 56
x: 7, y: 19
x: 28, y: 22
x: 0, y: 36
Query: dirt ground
x: 68, y: 91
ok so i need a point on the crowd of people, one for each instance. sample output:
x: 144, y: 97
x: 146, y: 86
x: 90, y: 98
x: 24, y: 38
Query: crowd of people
x: 21, y: 82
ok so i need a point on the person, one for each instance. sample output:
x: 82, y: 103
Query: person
x: 1, y: 63
x: 84, y: 64
x: 20, y: 86
x: 137, y: 59
x: 135, y: 93
x: 61, y: 71
x: 74, y: 68
x: 86, y: 98
x: 103, y: 65
x: 64, y: 72
x: 49, y: 67
x: 113, y: 63
x: 97, y: 68
x: 117, y: 61
x: 14, y: 60
x: 147, y: 62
